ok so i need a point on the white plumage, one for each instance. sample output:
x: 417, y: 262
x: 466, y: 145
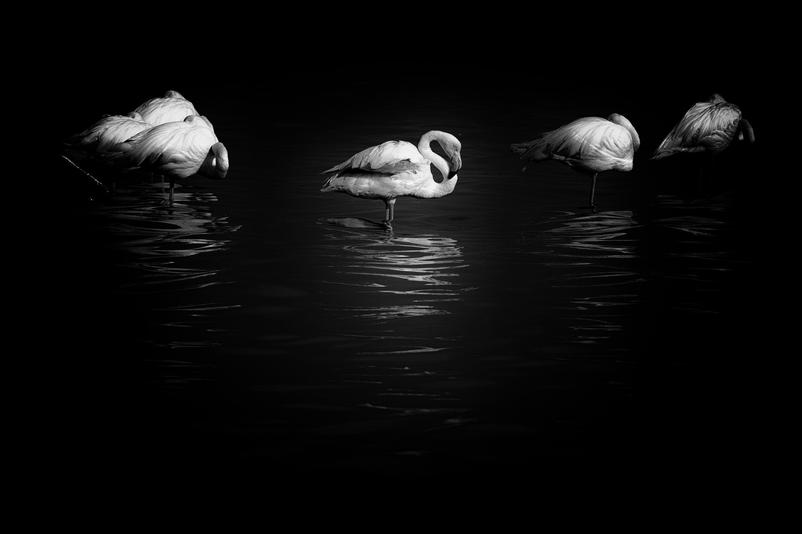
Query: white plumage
x: 169, y: 108
x: 176, y: 150
x: 589, y: 144
x: 397, y: 168
x: 107, y: 132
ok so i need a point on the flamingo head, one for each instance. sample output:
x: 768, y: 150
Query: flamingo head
x: 216, y: 163
x: 619, y: 119
x: 453, y: 149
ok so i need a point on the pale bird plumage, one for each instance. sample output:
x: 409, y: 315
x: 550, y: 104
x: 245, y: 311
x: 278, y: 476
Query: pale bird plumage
x: 107, y: 132
x: 589, y: 144
x: 171, y: 107
x: 397, y: 168
x: 706, y: 127
x: 176, y: 149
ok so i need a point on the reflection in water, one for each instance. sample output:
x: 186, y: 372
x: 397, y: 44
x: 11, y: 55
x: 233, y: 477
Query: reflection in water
x: 695, y: 256
x: 385, y: 289
x: 157, y: 249
x: 421, y: 271
x: 592, y: 258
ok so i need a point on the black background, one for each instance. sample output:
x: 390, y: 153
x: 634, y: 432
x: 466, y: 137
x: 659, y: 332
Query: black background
x: 659, y: 65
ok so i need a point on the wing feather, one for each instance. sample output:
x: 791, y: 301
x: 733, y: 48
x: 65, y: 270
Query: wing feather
x: 172, y: 107
x: 391, y: 157
x: 179, y: 146
x: 107, y: 132
x: 589, y: 138
x: 706, y: 126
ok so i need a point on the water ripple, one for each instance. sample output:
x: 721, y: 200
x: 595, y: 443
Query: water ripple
x: 596, y: 255
x: 157, y: 248
x: 406, y: 276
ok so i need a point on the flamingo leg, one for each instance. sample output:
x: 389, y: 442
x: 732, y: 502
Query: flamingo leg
x: 593, y: 192
x: 389, y: 210
x: 172, y: 187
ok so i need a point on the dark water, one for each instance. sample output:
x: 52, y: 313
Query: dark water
x: 497, y: 332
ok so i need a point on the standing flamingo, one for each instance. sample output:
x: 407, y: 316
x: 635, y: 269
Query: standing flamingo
x: 169, y: 108
x: 707, y: 127
x: 397, y: 168
x: 589, y: 144
x: 175, y: 149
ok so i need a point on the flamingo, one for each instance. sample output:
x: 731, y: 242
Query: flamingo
x: 589, y: 144
x: 707, y: 127
x: 171, y: 107
x: 396, y: 169
x: 175, y: 149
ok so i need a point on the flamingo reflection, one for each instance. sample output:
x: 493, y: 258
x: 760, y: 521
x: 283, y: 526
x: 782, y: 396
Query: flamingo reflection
x: 156, y: 239
x: 397, y: 276
x: 594, y: 256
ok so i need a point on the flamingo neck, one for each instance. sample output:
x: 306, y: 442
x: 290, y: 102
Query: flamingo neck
x: 445, y: 186
x: 635, y: 136
x: 623, y: 121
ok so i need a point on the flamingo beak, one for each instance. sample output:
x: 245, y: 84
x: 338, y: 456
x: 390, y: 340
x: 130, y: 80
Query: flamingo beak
x: 456, y: 165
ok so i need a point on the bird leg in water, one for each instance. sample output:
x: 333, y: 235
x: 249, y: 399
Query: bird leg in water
x: 95, y: 180
x: 389, y: 210
x: 172, y: 187
x: 593, y: 192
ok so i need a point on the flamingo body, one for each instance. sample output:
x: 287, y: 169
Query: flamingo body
x: 397, y: 168
x: 389, y: 170
x: 176, y: 149
x: 171, y: 107
x: 589, y: 144
x: 706, y: 127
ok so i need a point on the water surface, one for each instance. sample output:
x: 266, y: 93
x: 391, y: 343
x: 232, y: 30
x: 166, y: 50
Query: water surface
x: 495, y: 331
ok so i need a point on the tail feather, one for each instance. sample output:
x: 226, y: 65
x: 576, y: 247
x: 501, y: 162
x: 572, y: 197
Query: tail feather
x: 531, y: 150
x: 519, y: 148
x: 661, y: 153
x: 328, y: 185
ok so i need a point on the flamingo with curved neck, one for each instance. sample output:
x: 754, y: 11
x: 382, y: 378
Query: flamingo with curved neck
x: 397, y: 168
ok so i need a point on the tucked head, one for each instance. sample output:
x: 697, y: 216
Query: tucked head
x: 619, y: 119
x: 216, y: 164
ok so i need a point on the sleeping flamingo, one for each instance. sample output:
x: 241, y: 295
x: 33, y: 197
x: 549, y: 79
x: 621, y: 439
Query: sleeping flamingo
x: 707, y: 127
x: 176, y: 150
x: 397, y: 168
x: 589, y: 144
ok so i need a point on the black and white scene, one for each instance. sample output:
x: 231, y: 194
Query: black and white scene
x: 409, y: 263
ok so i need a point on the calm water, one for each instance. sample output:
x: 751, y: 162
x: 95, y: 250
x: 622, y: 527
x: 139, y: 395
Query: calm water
x: 498, y: 330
